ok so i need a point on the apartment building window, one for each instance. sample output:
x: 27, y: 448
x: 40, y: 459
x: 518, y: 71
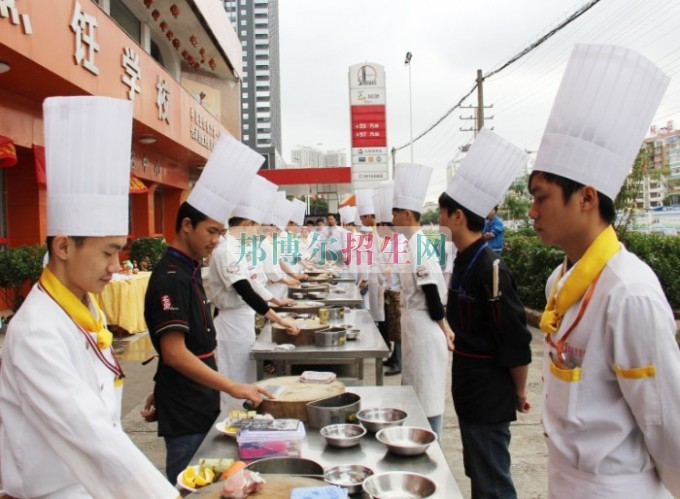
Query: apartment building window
x: 126, y: 20
x: 246, y: 137
x: 156, y: 53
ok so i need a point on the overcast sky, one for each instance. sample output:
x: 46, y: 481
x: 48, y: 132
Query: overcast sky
x: 450, y: 40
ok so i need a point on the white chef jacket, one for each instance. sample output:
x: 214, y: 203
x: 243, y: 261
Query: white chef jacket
x: 61, y: 435
x: 390, y: 261
x: 272, y: 270
x: 423, y: 344
x: 615, y: 430
x: 366, y: 247
x: 231, y: 263
x: 235, y: 324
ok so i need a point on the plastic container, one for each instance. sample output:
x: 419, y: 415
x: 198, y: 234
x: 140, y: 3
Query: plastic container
x: 271, y: 443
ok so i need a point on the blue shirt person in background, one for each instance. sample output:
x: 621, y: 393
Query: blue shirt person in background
x: 494, y: 231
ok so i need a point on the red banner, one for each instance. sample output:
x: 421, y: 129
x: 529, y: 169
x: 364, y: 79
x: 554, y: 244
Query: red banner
x: 39, y: 162
x: 8, y: 153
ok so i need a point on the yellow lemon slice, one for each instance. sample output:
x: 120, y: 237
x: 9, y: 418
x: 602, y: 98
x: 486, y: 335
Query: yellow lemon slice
x: 189, y: 476
x: 205, y: 477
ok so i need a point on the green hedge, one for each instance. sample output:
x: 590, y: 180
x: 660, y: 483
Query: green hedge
x: 18, y: 267
x: 531, y: 263
x: 151, y: 248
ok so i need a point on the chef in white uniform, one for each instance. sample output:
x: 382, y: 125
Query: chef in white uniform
x: 277, y: 279
x: 238, y: 288
x: 425, y: 334
x: 612, y: 366
x: 368, y: 248
x: 60, y: 383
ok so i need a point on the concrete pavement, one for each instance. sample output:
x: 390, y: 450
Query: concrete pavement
x: 528, y: 450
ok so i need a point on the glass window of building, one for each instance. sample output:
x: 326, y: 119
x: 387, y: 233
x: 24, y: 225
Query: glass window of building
x: 127, y: 20
x: 156, y: 53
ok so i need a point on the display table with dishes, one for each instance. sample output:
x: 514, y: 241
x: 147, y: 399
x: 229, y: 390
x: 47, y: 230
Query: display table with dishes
x: 122, y: 301
x: 367, y: 344
x: 429, y: 466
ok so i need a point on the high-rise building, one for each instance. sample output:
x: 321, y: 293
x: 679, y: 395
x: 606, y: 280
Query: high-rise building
x: 661, y: 184
x: 257, y: 24
x: 311, y: 157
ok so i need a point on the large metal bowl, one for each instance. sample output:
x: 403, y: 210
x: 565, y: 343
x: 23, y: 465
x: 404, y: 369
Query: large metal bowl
x: 375, y: 420
x: 293, y: 466
x: 348, y: 476
x: 400, y: 485
x: 406, y: 440
x: 343, y: 435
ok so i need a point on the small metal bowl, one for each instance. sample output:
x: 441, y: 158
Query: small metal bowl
x: 406, y: 440
x: 297, y: 296
x: 352, y: 334
x: 375, y: 420
x: 343, y: 435
x: 399, y: 484
x: 348, y: 476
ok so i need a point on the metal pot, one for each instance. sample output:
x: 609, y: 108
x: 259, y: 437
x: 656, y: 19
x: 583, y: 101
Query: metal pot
x: 336, y: 314
x: 330, y: 337
x: 338, y: 409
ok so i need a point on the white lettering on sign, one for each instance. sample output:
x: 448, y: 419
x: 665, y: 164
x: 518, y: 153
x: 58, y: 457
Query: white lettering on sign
x: 8, y: 8
x: 83, y: 25
x: 133, y: 70
x: 163, y: 100
x: 202, y: 131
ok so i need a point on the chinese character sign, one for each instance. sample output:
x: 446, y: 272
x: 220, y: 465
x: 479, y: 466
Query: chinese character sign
x: 83, y: 25
x: 133, y: 72
x: 163, y: 100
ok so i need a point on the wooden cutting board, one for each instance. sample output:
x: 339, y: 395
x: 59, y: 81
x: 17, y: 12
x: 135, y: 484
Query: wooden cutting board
x: 292, y: 401
x: 306, y: 335
x: 277, y: 487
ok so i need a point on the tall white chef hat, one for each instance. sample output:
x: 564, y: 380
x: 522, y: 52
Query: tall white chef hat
x: 606, y: 101
x: 386, y: 195
x: 487, y: 170
x: 376, y: 206
x: 364, y: 199
x: 257, y: 200
x: 410, y: 186
x: 87, y: 155
x: 226, y: 175
x: 346, y: 215
x: 299, y: 210
x: 281, y: 210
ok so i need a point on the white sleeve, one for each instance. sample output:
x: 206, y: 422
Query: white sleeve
x: 643, y: 332
x: 272, y: 269
x: 74, y: 422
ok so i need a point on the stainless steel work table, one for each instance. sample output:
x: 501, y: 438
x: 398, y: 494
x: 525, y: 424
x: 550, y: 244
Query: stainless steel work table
x: 342, y: 295
x: 369, y: 452
x: 369, y: 344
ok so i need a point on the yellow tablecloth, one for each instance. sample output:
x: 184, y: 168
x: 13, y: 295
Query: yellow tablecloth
x: 123, y: 302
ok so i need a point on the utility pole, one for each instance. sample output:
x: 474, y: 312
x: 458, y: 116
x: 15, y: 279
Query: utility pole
x: 478, y: 115
x: 394, y: 161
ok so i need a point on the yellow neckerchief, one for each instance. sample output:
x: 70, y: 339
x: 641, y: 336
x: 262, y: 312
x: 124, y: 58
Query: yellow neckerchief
x: 75, y: 308
x: 585, y: 271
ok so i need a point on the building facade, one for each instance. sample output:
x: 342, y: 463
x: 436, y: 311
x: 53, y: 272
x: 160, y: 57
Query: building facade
x: 661, y: 185
x: 257, y: 26
x: 310, y: 157
x: 179, y: 62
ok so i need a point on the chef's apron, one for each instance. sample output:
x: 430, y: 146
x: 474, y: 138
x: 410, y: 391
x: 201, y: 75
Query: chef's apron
x: 235, y: 339
x: 376, y: 295
x: 566, y: 482
x: 424, y: 359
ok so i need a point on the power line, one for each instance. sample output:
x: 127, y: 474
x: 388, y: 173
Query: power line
x: 513, y: 59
